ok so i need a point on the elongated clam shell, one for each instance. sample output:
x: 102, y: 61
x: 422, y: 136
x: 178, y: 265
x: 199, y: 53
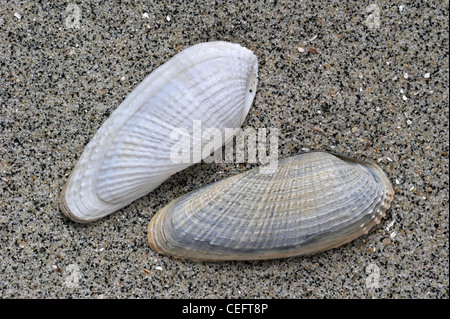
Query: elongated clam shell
x: 130, y: 155
x: 314, y: 202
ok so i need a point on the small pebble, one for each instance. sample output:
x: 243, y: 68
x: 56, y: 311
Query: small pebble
x: 18, y: 16
x: 426, y: 75
x: 313, y: 50
x: 318, y: 129
x: 390, y: 224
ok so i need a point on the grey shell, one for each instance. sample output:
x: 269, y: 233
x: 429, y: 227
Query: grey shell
x: 313, y: 202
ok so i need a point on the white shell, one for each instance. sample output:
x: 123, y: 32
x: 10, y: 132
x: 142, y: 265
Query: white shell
x: 313, y: 202
x: 129, y: 156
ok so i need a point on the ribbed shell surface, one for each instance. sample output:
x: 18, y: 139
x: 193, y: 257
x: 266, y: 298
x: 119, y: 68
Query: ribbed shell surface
x: 129, y: 156
x: 314, y: 202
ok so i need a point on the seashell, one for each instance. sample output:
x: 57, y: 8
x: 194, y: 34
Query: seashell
x: 313, y: 202
x: 130, y: 155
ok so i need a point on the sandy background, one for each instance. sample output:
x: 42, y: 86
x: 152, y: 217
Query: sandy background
x: 372, y: 88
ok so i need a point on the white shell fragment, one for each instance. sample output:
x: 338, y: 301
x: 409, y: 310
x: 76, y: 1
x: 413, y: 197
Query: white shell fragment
x: 313, y: 202
x: 130, y: 155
